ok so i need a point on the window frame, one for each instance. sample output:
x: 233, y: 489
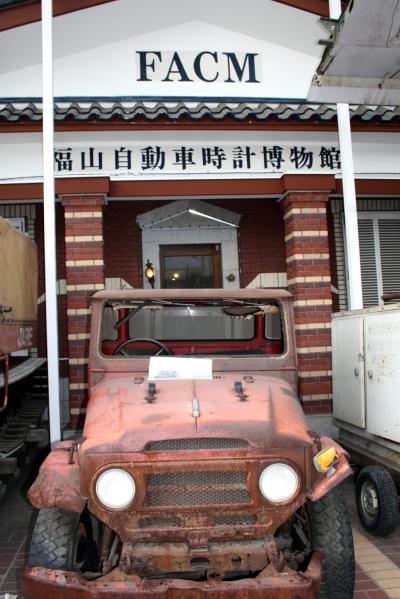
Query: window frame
x: 205, y: 249
x: 375, y: 217
x: 255, y: 338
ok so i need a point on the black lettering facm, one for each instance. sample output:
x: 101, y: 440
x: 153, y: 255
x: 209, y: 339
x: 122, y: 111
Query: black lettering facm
x: 249, y: 60
x: 144, y: 65
x: 197, y: 66
x: 179, y: 70
x: 206, y: 66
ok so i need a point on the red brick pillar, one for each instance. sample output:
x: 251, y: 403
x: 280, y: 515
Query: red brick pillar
x: 85, y: 275
x: 309, y: 279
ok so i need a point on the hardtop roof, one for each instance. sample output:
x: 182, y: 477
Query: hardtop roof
x: 182, y: 294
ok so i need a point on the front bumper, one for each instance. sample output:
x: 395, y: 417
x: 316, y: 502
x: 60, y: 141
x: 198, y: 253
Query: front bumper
x: 42, y: 583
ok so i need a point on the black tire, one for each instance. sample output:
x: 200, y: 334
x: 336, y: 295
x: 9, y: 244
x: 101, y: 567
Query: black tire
x: 331, y: 534
x: 377, y: 500
x: 63, y: 541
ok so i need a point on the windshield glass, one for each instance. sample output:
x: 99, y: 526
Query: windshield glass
x: 140, y: 328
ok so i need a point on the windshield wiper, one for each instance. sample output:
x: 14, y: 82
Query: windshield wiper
x: 160, y: 302
x: 125, y: 318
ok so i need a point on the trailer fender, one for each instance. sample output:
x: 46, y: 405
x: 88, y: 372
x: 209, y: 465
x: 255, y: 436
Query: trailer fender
x: 342, y: 470
x: 57, y: 484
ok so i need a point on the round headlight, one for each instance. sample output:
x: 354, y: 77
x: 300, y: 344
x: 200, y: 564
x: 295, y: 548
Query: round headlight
x: 115, y: 488
x: 278, y: 483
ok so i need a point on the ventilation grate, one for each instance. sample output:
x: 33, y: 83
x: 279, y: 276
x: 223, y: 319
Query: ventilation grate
x: 195, y: 444
x: 389, y: 239
x: 197, y: 488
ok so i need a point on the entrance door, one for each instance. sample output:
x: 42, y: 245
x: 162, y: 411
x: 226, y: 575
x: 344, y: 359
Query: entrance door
x: 190, y: 266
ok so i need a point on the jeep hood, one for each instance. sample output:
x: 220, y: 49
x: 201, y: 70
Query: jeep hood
x: 120, y: 419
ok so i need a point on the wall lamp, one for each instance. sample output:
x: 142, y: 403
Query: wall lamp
x: 150, y: 273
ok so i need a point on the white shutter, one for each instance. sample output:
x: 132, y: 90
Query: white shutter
x: 389, y: 243
x: 18, y: 223
x: 368, y: 262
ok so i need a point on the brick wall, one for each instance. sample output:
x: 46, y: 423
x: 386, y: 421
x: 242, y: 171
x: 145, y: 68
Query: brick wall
x: 261, y: 239
x: 123, y: 240
x: 83, y: 217
x: 309, y: 279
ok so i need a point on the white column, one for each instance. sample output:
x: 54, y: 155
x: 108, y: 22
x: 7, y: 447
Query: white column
x: 49, y: 222
x: 354, y: 290
x: 335, y: 9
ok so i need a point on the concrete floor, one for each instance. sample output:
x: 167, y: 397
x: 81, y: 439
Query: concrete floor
x: 378, y: 560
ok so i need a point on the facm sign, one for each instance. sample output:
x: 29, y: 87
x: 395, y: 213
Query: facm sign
x: 206, y: 67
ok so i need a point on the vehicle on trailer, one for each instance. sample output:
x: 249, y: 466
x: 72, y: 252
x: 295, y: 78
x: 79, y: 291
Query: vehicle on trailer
x: 19, y: 413
x: 196, y: 474
x: 366, y: 380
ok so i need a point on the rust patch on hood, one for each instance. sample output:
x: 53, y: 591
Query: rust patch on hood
x: 271, y: 416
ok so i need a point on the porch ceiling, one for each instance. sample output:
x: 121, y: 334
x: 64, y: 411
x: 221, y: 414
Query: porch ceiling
x: 362, y: 61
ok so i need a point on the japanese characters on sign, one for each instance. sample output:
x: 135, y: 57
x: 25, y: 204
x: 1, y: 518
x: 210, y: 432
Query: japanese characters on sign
x: 195, y: 159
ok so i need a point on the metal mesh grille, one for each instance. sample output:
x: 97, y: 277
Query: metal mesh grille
x: 195, y: 444
x: 236, y: 520
x: 197, y: 488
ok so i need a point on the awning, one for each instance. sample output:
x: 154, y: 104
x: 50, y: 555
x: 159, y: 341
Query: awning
x: 361, y: 64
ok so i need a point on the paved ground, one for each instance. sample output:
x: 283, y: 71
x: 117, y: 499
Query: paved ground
x: 16, y: 521
x: 378, y: 560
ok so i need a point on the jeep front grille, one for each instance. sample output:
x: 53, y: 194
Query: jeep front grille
x: 195, y: 444
x: 197, y: 488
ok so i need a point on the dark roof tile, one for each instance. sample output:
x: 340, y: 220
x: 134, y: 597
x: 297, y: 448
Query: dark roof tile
x: 130, y: 110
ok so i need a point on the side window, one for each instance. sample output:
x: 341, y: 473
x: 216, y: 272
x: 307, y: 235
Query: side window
x: 109, y: 320
x: 273, y: 324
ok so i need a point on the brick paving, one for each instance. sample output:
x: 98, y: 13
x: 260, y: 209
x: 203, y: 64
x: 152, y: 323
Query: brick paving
x: 377, y: 567
x: 366, y: 588
x: 16, y: 520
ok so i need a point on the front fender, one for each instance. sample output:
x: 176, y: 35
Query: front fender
x: 57, y: 484
x: 342, y: 470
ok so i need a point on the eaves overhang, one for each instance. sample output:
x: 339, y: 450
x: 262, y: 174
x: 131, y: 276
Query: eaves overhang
x: 361, y: 62
x: 131, y: 110
x: 16, y: 13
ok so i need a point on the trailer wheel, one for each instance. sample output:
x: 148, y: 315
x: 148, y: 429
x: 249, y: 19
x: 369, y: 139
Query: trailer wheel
x: 331, y: 534
x: 63, y: 541
x: 377, y: 501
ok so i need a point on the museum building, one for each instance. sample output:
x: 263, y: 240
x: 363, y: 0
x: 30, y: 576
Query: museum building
x: 184, y: 142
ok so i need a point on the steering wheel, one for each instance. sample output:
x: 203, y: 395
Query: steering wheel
x: 163, y: 348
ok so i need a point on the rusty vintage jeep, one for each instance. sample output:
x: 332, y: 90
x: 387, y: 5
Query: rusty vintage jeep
x: 196, y: 475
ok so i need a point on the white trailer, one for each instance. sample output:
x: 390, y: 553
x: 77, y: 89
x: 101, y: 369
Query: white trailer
x: 366, y: 407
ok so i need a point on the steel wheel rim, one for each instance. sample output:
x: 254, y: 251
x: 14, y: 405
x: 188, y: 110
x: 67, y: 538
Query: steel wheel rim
x: 369, y: 499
